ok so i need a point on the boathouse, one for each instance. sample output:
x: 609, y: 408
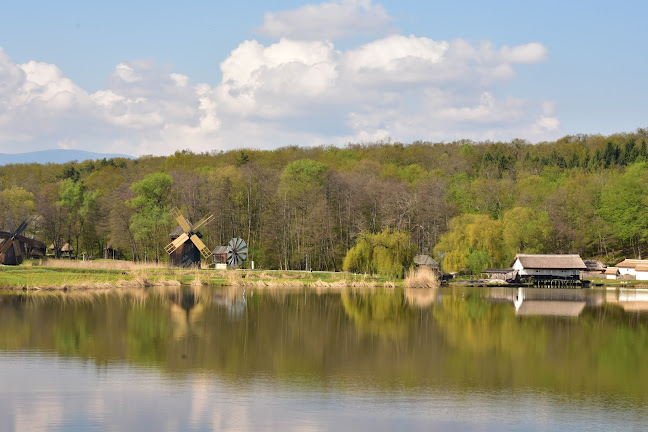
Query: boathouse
x: 548, y: 267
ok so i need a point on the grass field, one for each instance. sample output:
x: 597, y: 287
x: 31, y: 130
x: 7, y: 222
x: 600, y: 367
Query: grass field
x: 101, y: 274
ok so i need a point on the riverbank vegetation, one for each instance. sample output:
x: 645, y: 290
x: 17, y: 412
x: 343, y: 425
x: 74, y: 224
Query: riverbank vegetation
x: 471, y: 205
x: 83, y: 275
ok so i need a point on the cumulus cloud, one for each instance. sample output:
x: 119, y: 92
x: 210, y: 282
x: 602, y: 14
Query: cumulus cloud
x: 297, y: 90
x: 328, y: 21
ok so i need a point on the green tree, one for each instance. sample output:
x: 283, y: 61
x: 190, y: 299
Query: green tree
x: 526, y: 231
x: 624, y: 204
x: 467, y: 234
x: 152, y: 210
x: 388, y: 253
x: 16, y: 203
x: 79, y: 203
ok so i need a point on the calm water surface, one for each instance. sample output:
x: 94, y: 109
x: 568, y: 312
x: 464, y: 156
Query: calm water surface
x: 202, y: 359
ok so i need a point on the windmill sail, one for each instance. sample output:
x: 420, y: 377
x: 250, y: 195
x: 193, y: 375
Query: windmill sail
x: 236, y: 252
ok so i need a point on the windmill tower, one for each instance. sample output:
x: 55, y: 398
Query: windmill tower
x: 186, y: 248
x: 14, y: 246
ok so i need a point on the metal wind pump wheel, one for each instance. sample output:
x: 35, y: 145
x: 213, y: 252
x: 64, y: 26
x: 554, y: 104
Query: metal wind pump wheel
x: 237, y: 251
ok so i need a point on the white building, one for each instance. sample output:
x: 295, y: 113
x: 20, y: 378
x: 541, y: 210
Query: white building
x: 611, y: 273
x: 549, y: 266
x: 641, y: 271
x: 628, y: 266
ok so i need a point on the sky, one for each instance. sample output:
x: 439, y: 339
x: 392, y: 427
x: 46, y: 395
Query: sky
x: 155, y: 77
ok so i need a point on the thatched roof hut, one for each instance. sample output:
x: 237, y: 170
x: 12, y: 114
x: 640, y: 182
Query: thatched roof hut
x: 425, y: 260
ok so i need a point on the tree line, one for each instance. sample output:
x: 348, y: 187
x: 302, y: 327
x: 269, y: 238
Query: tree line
x: 468, y: 204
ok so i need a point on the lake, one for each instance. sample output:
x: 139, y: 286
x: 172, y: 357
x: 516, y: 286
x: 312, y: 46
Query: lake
x: 200, y: 359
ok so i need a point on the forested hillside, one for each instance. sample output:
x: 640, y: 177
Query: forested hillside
x: 470, y: 204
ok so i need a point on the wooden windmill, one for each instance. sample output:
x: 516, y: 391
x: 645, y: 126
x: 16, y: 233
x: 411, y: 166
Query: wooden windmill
x: 14, y: 246
x: 186, y: 248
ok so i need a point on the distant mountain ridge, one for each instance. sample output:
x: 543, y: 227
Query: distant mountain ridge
x: 56, y: 156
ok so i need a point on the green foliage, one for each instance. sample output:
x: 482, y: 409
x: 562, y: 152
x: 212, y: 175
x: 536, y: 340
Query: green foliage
x: 305, y: 206
x: 477, y: 260
x: 624, y: 203
x: 388, y: 253
x: 16, y: 204
x: 304, y: 175
x: 526, y: 231
x: 152, y: 210
x: 475, y: 236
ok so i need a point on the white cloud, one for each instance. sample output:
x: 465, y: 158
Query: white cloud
x: 530, y: 53
x: 293, y: 91
x: 328, y: 21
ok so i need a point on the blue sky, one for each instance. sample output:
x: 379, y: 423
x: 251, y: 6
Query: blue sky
x: 153, y: 77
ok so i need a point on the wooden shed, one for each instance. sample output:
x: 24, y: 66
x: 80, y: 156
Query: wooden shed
x: 219, y: 256
x: 549, y: 267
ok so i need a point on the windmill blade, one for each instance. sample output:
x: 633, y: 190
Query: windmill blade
x: 203, y: 221
x: 6, y: 245
x: 10, y: 225
x: 175, y: 244
x: 31, y: 242
x: 204, y: 250
x: 22, y: 227
x: 184, y: 224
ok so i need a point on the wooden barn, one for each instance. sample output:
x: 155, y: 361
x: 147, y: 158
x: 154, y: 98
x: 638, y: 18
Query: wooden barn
x: 111, y: 252
x: 549, y: 267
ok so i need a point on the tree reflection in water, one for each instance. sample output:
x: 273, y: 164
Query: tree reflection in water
x: 381, y: 338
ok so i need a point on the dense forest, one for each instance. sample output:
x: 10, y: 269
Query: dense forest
x: 469, y: 204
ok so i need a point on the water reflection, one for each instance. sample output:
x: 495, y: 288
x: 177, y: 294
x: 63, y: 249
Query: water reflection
x: 233, y: 356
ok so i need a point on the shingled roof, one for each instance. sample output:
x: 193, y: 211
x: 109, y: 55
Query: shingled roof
x: 219, y: 250
x: 570, y: 262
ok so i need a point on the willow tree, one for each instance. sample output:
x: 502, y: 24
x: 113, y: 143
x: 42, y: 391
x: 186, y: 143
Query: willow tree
x: 472, y: 243
x: 387, y: 253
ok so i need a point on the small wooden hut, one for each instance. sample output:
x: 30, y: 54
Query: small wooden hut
x: 111, y: 252
x: 219, y: 256
x: 67, y: 250
x: 426, y: 261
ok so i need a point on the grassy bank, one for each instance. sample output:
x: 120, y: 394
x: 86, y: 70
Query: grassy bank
x: 100, y: 274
